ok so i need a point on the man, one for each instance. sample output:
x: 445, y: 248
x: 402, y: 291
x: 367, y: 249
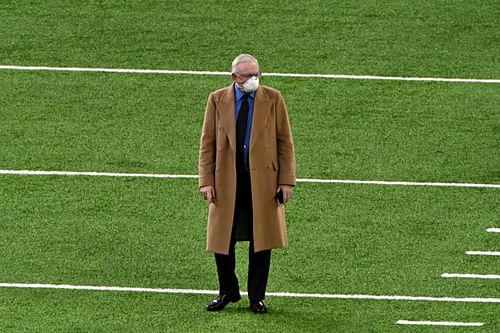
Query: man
x: 246, y: 163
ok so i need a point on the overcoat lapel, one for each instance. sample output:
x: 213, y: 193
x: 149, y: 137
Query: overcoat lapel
x: 261, y: 108
x: 225, y: 109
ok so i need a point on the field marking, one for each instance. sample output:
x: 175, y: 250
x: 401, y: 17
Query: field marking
x: 300, y: 180
x: 497, y: 230
x: 275, y: 294
x: 438, y: 323
x: 91, y: 174
x: 398, y: 183
x: 471, y: 276
x: 294, y: 75
x: 482, y: 253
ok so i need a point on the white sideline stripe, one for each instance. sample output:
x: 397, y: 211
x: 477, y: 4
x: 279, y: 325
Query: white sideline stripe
x: 90, y: 174
x: 275, y: 294
x: 471, y: 276
x: 398, y: 183
x: 437, y: 323
x: 183, y: 72
x: 483, y: 253
x: 493, y: 230
x: 303, y: 180
x: 111, y: 70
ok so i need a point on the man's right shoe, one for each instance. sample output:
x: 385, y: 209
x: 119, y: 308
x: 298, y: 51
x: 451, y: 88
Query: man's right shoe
x: 220, y: 302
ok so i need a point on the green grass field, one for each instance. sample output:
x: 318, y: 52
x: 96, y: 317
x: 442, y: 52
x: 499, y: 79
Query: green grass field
x: 344, y: 238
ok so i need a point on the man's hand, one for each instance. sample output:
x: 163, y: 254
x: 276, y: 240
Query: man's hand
x: 287, y: 192
x: 208, y: 193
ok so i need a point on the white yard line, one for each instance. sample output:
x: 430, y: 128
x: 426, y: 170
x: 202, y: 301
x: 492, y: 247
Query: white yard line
x: 295, y: 75
x: 471, y: 276
x: 300, y: 180
x: 437, y: 323
x: 496, y: 230
x: 90, y: 174
x: 275, y: 294
x: 398, y: 183
x: 482, y: 253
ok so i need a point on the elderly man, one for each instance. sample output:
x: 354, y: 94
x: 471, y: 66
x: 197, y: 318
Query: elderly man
x: 246, y: 174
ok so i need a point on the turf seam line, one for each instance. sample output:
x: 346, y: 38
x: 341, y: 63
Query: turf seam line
x: 300, y: 180
x: 217, y: 73
x: 275, y: 294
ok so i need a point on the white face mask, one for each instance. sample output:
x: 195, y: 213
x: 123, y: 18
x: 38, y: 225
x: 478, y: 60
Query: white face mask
x: 250, y: 85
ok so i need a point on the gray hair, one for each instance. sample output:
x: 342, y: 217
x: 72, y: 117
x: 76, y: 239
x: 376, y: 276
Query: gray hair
x: 241, y: 59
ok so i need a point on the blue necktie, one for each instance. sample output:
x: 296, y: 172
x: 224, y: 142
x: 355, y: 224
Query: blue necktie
x: 241, y: 127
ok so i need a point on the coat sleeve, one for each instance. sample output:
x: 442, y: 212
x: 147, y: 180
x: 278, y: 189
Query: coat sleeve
x: 286, y: 150
x: 206, y: 161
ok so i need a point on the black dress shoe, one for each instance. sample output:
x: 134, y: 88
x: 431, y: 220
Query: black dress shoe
x: 220, y: 302
x: 258, y: 307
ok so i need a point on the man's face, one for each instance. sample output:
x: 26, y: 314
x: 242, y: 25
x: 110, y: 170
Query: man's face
x: 244, y: 71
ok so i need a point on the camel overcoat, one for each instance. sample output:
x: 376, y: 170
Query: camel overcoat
x: 271, y: 162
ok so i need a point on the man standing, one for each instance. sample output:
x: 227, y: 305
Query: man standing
x: 246, y: 173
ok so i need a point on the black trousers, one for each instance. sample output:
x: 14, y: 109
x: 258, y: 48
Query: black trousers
x: 258, y: 262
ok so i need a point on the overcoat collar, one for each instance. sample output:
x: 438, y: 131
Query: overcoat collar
x: 261, y: 109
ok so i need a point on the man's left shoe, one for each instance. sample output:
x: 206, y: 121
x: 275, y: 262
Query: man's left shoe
x: 258, y: 307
